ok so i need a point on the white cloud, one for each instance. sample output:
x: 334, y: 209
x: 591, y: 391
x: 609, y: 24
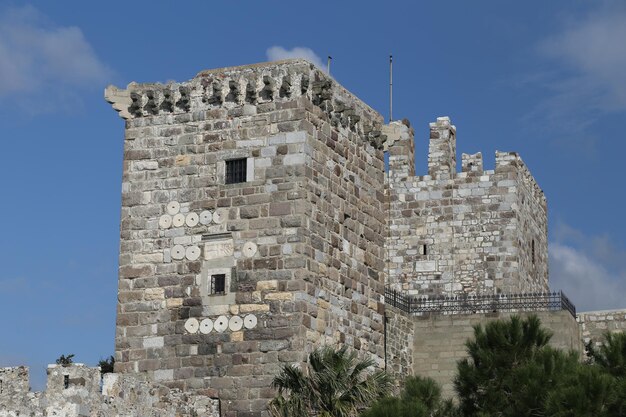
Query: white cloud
x: 277, y: 53
x: 591, y: 270
x: 37, y: 57
x: 594, y: 50
x: 590, y: 77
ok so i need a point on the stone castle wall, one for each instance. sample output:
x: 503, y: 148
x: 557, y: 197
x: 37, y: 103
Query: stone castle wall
x: 432, y: 345
x: 299, y: 242
x: 472, y: 232
x: 594, y: 324
x: 221, y: 282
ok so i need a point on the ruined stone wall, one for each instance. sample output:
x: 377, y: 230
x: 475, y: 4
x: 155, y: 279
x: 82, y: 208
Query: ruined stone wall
x: 75, y: 391
x: 594, y: 324
x: 438, y: 341
x: 14, y: 380
x: 472, y: 232
x: 299, y: 242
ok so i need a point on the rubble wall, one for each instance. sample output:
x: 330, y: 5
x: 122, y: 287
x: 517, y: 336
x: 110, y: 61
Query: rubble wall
x: 78, y: 391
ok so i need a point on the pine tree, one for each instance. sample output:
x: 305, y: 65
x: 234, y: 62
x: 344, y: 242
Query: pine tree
x: 420, y: 397
x: 509, y: 369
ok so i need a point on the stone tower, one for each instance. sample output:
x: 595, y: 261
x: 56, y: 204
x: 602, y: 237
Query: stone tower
x: 452, y: 233
x: 252, y: 228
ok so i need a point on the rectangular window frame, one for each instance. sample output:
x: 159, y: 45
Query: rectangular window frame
x: 217, y: 284
x: 236, y: 171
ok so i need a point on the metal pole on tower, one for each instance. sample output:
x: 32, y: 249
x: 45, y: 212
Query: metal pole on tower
x: 390, y: 88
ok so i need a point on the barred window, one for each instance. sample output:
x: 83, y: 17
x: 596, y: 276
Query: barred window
x: 218, y: 284
x: 236, y: 170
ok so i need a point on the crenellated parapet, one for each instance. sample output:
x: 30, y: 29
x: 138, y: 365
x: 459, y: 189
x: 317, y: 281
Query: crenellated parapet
x: 249, y: 90
x: 471, y: 232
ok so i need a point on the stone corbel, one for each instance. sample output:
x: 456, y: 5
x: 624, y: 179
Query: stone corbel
x: 119, y: 99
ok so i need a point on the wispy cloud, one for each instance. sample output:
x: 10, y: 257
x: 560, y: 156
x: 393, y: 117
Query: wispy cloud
x: 39, y: 59
x: 276, y: 53
x: 588, y: 75
x: 590, y: 269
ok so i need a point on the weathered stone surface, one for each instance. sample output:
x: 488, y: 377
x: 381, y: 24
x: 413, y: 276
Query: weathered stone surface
x: 309, y: 164
x: 473, y: 232
x: 257, y: 224
x: 594, y: 324
x: 432, y: 345
x: 74, y: 391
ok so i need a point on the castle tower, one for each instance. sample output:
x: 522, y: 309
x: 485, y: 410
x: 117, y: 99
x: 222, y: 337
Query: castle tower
x: 472, y: 232
x: 252, y: 228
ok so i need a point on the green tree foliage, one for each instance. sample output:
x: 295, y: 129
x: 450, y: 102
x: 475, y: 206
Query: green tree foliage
x: 420, y: 397
x: 65, y: 360
x: 610, y: 360
x: 585, y: 391
x: 511, y: 372
x: 611, y: 355
x: 106, y: 365
x: 334, y: 383
x: 509, y: 363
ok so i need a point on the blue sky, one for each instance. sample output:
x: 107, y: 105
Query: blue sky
x: 546, y: 79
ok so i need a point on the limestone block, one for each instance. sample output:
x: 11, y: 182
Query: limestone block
x: 253, y: 308
x: 267, y: 285
x: 154, y: 294
x: 282, y: 296
x: 174, y: 302
x: 294, y: 159
x: 163, y: 374
x: 426, y: 266
x: 218, y: 249
x: 153, y: 342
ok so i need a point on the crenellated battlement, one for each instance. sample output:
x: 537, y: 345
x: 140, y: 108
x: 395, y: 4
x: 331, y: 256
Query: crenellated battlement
x: 471, y: 232
x: 512, y: 162
x: 249, y: 90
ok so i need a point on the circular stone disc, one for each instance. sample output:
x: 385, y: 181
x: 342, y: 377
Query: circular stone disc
x: 191, y: 220
x: 192, y: 253
x: 249, y: 249
x: 165, y: 221
x: 235, y: 323
x: 178, y: 252
x: 206, y: 326
x: 220, y: 216
x: 173, y: 207
x: 220, y: 324
x: 178, y: 220
x: 206, y: 217
x: 192, y: 325
x: 250, y: 321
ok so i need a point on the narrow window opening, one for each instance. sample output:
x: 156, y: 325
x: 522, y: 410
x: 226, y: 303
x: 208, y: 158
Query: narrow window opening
x: 218, y: 284
x: 1, y: 388
x: 423, y: 249
x: 236, y: 171
x: 386, y: 159
x: 532, y: 248
x: 66, y: 381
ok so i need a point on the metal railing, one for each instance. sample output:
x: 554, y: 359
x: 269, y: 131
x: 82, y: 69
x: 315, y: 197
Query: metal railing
x: 470, y: 304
